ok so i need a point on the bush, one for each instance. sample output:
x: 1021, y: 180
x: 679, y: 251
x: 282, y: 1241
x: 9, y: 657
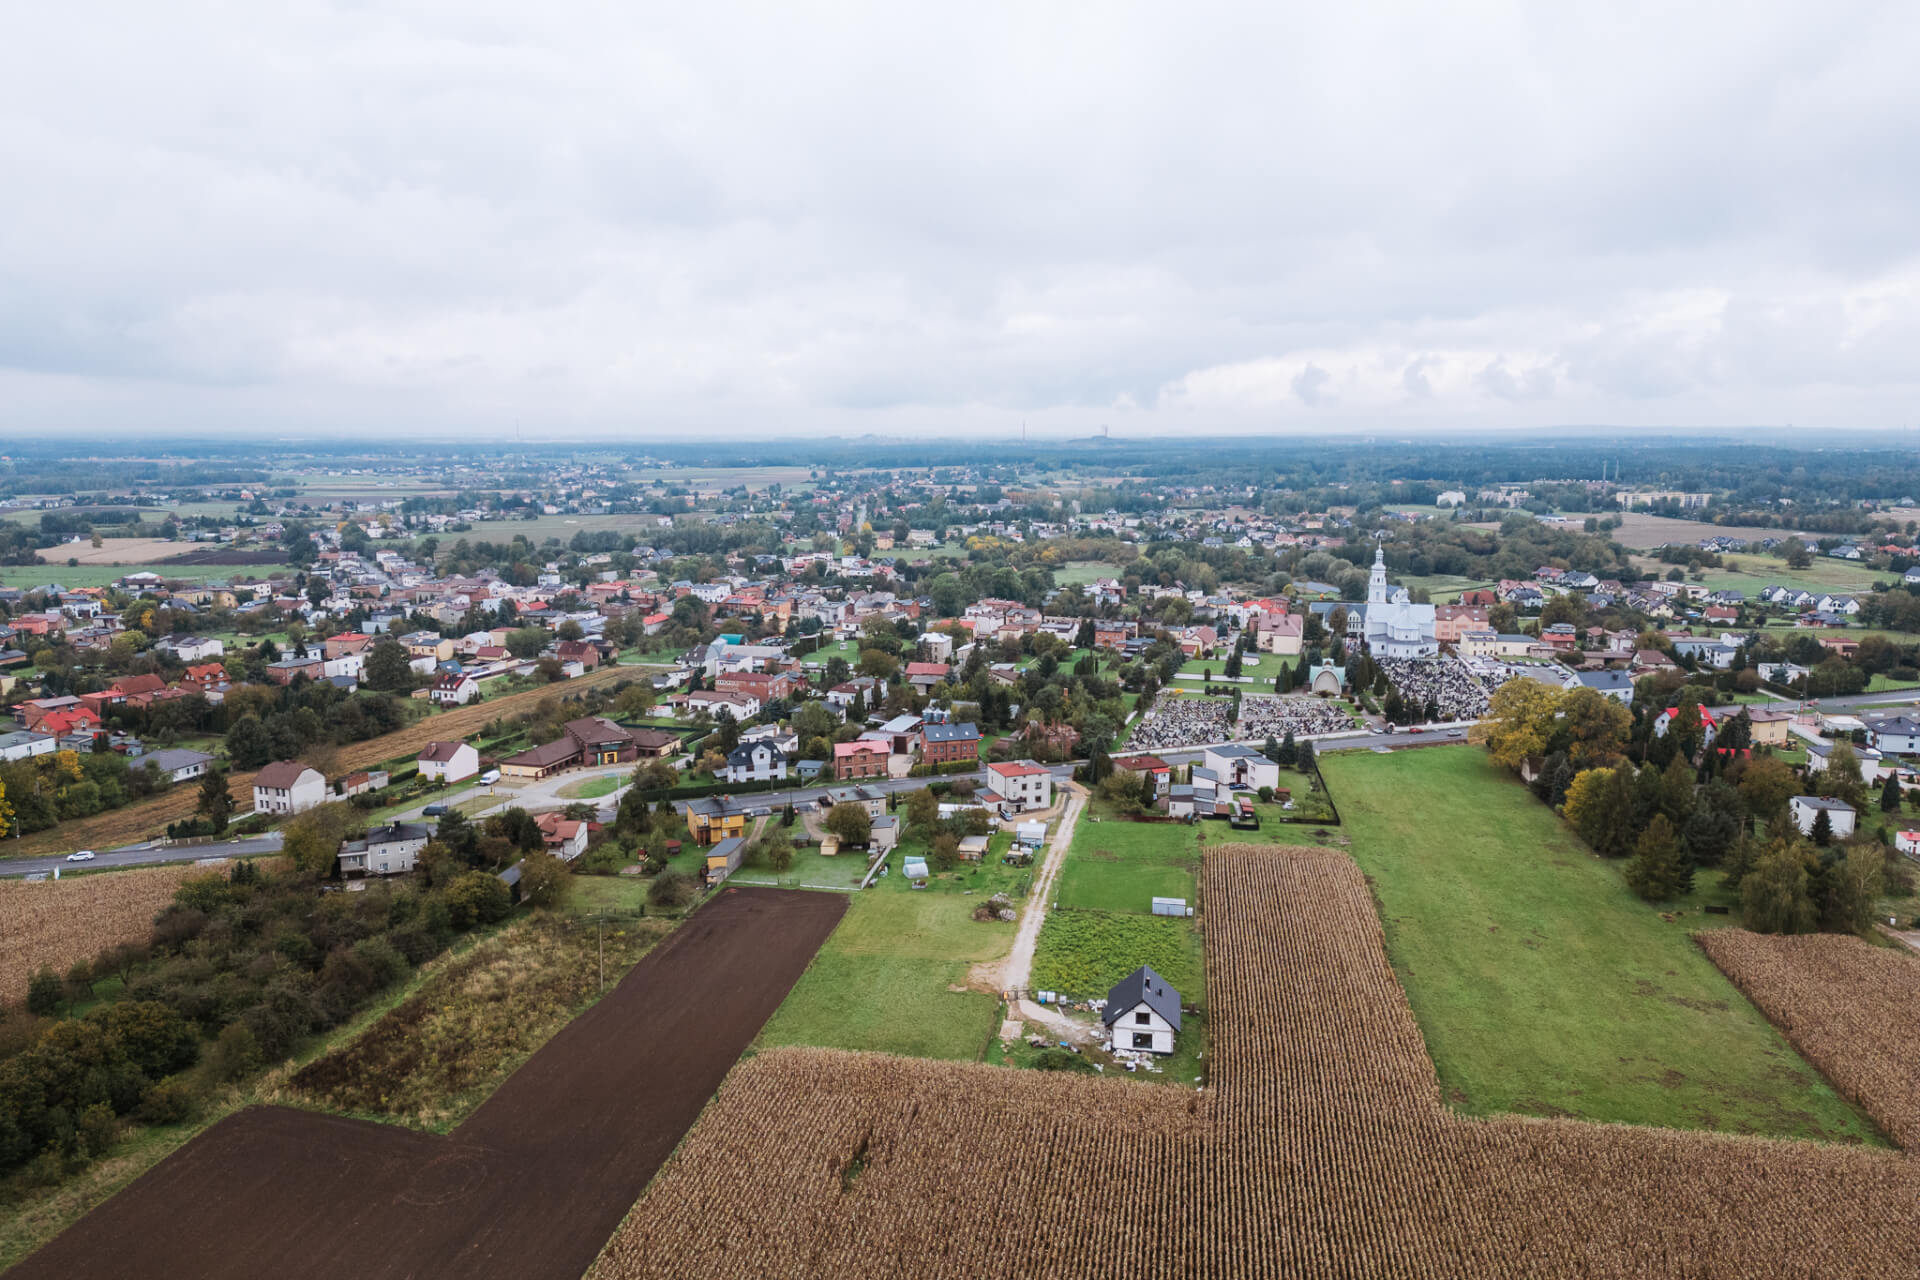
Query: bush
x: 98, y: 1129
x: 167, y: 1101
x: 235, y: 1054
x: 672, y: 890
x: 45, y: 991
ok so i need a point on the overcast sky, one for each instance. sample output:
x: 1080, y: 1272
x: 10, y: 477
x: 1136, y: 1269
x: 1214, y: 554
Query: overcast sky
x: 654, y: 220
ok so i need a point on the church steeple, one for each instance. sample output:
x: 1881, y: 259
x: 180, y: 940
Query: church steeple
x: 1377, y: 581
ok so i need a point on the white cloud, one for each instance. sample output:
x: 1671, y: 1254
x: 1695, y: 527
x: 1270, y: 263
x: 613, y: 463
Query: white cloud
x: 457, y: 216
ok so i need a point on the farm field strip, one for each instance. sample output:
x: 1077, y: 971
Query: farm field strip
x: 137, y: 821
x: 1851, y: 1008
x: 529, y: 1187
x: 1322, y: 1149
x: 42, y: 923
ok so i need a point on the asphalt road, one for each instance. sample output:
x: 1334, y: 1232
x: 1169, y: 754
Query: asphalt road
x: 148, y: 853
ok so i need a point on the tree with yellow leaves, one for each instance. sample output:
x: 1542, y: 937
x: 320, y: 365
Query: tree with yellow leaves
x: 1520, y: 723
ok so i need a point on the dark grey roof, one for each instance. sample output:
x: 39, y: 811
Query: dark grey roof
x: 1604, y: 680
x: 1143, y: 986
x: 962, y: 732
x: 1822, y: 802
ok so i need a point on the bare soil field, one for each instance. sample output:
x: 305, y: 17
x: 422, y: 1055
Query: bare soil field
x: 150, y: 817
x: 1321, y: 1147
x: 56, y: 922
x: 531, y: 1186
x: 1638, y: 531
x: 228, y: 555
x: 115, y: 551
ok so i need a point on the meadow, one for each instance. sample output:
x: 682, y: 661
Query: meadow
x: 1541, y: 984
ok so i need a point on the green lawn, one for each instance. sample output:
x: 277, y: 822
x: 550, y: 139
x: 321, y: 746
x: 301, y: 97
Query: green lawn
x: 102, y: 575
x: 892, y: 977
x: 1541, y: 984
x: 593, y: 788
x: 809, y: 869
x: 1123, y: 866
x: 1883, y: 683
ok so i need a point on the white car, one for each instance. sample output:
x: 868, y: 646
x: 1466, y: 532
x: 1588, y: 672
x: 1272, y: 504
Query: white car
x: 85, y: 855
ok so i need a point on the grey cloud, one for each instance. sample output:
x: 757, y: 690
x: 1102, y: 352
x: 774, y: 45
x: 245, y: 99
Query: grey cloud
x: 452, y: 216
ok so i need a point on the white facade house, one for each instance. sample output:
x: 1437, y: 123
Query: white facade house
x: 449, y: 761
x: 741, y: 706
x: 1239, y: 765
x: 191, y: 648
x: 386, y: 851
x: 24, y: 744
x: 287, y: 786
x: 1022, y: 784
x: 1907, y: 842
x: 1142, y: 1013
x: 455, y: 689
x: 756, y: 762
x: 1395, y: 627
x: 178, y: 764
x: 1895, y: 735
x: 1807, y: 809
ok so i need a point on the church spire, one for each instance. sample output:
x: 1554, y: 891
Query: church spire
x: 1377, y: 580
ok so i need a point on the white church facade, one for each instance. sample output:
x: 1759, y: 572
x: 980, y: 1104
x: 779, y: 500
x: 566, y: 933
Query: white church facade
x: 1395, y: 627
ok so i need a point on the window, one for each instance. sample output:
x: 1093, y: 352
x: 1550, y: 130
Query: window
x: 1143, y: 1018
x: 1143, y: 1040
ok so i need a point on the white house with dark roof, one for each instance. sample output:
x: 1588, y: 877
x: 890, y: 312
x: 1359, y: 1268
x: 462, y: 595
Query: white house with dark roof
x: 287, y: 786
x: 1617, y: 685
x: 1142, y: 1013
x: 1806, y: 811
x: 449, y: 761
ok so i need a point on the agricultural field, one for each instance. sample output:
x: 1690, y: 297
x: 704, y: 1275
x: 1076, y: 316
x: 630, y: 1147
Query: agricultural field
x: 1441, y: 588
x: 1638, y: 530
x: 103, y: 575
x: 1321, y: 1147
x: 529, y: 1187
x: 1752, y: 572
x: 1542, y: 985
x: 428, y: 1062
x: 1849, y: 1006
x: 58, y: 922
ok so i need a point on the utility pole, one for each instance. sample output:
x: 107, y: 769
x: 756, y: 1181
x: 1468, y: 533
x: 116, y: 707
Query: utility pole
x: 600, y: 928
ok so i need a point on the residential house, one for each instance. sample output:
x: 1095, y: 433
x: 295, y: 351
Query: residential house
x: 1142, y: 1013
x: 883, y: 835
x: 1020, y: 784
x: 24, y: 744
x: 1709, y: 723
x: 190, y: 649
x: 590, y: 740
x: 654, y: 744
x: 923, y: 676
x: 1280, y: 634
x: 455, y: 689
x: 861, y: 758
x: 1451, y: 621
x: 1617, y: 685
x: 1156, y: 771
x: 286, y: 787
x: 951, y: 743
x: 874, y: 802
x: 385, y: 851
x: 177, y: 764
x: 740, y: 706
x: 449, y: 761
x: 1806, y: 811
x: 1895, y: 735
x: 1770, y: 727
x: 565, y: 838
x: 713, y: 818
x: 1239, y: 765
x: 755, y: 762
x: 287, y: 670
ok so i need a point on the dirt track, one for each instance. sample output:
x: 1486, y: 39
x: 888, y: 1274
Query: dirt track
x: 150, y: 817
x: 531, y: 1186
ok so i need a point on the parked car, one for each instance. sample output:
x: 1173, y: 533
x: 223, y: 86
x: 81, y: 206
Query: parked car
x: 85, y: 855
x: 434, y: 811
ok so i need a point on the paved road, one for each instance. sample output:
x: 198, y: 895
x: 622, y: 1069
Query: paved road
x: 148, y: 853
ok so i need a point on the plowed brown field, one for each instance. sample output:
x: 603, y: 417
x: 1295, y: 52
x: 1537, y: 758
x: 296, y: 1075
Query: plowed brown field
x: 528, y: 1188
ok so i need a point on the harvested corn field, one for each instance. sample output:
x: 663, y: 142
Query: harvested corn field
x: 56, y: 922
x: 1323, y: 1149
x: 1853, y: 1010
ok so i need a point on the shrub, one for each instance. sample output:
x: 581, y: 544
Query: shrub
x: 98, y: 1129
x: 45, y: 991
x: 235, y: 1054
x: 671, y: 889
x: 168, y: 1101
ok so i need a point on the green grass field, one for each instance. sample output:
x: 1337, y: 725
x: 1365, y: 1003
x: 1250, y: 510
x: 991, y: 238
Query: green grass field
x: 1081, y: 954
x: 102, y: 575
x: 1123, y: 866
x: 592, y: 788
x: 809, y: 870
x: 1752, y: 572
x: 1541, y: 984
x: 1883, y: 683
x: 892, y: 978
